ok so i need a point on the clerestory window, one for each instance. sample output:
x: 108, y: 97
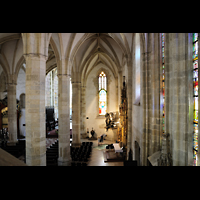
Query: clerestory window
x: 195, y: 85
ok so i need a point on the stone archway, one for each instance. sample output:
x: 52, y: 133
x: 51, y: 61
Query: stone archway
x: 137, y: 153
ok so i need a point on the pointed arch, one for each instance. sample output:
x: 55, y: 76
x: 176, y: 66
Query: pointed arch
x: 14, y: 56
x: 5, y: 70
x: 126, y: 43
x: 102, y: 93
x: 56, y: 52
x: 4, y: 64
x: 111, y: 61
x: 86, y: 73
x: 121, y: 45
x: 76, y: 47
x: 67, y: 53
x: 19, y: 65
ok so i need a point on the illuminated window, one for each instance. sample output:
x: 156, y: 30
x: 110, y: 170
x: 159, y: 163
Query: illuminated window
x: 195, y: 84
x: 51, y: 90
x: 102, y: 94
x: 163, y: 79
x: 137, y: 68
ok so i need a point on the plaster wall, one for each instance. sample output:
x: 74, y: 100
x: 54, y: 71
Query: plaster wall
x: 96, y: 121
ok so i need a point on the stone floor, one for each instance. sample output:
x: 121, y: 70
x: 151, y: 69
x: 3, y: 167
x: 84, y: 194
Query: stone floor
x: 97, y: 158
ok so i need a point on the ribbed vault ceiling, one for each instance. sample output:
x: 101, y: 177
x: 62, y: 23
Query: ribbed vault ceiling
x: 98, y: 48
x: 83, y: 51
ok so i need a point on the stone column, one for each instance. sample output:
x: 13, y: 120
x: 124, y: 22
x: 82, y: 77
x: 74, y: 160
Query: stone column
x: 154, y: 90
x: 179, y: 97
x: 83, y: 109
x: 12, y: 114
x: 64, y: 118
x: 76, y: 86
x: 117, y: 100
x: 145, y: 105
x: 119, y: 87
x: 35, y: 110
x: 129, y: 102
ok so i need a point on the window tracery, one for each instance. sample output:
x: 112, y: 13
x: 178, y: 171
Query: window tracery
x: 102, y: 93
x: 163, y: 79
x: 195, y: 94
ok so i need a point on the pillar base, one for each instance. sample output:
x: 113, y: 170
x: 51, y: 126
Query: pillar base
x: 12, y: 143
x: 36, y: 160
x: 76, y: 144
x: 64, y: 162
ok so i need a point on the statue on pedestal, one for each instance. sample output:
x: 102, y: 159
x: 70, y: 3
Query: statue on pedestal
x: 108, y: 121
x: 165, y: 157
x: 111, y: 120
x: 92, y: 132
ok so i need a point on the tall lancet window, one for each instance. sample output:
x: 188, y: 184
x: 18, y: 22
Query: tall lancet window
x: 102, y: 94
x: 163, y: 79
x: 195, y: 85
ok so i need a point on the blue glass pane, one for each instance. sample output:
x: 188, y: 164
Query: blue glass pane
x: 102, y: 102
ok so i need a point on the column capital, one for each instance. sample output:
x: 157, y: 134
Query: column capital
x: 76, y: 82
x: 11, y: 84
x: 12, y: 80
x: 35, y: 45
x: 61, y: 75
x: 83, y: 86
x: 35, y: 55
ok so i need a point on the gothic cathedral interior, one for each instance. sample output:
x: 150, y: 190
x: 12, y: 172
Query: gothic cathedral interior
x: 99, y: 99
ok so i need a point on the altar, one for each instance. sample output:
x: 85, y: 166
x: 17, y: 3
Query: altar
x: 113, y: 153
x: 117, y: 123
x: 117, y: 148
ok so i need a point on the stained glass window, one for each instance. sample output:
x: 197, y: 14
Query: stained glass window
x: 102, y: 94
x: 163, y: 78
x: 195, y: 84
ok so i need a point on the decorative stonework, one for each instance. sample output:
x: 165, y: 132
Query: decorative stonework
x: 96, y: 84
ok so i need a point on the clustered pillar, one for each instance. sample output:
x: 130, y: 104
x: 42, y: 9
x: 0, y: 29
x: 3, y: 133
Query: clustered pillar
x: 35, y: 110
x: 12, y: 114
x: 64, y: 118
x: 76, y: 86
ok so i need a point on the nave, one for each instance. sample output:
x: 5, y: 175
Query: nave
x: 83, y: 76
x: 95, y: 158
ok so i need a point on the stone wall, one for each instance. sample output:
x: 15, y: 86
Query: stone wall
x: 146, y: 91
x: 137, y: 100
x: 179, y: 97
x: 147, y: 117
